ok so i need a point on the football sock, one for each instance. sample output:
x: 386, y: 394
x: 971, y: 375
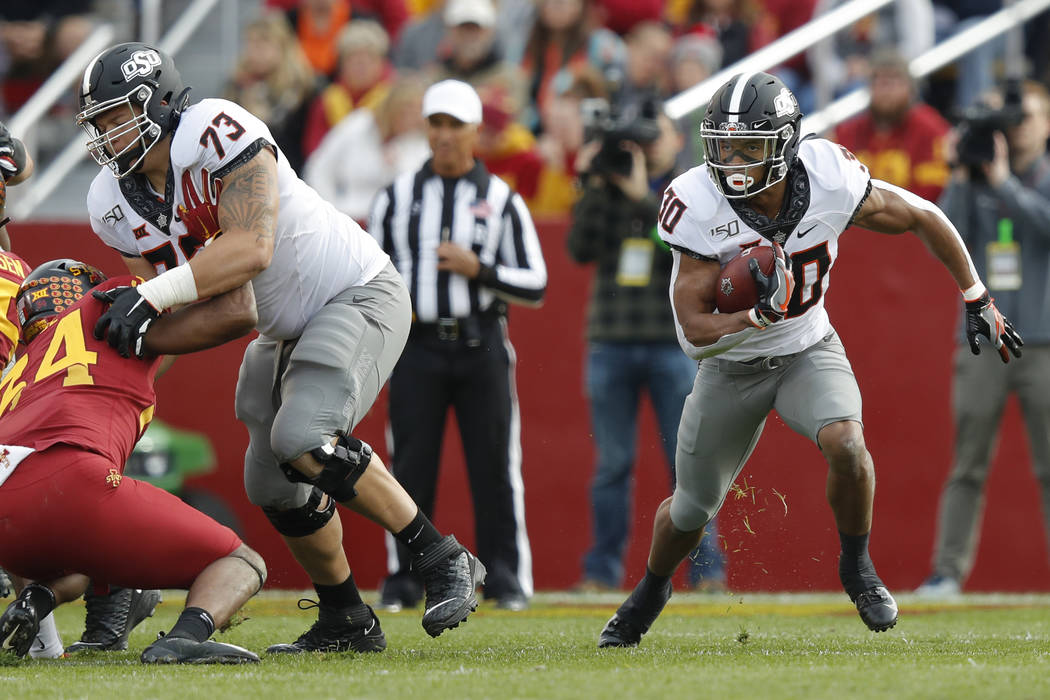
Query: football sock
x: 47, y: 645
x: 193, y: 623
x: 856, y: 570
x: 418, y: 534
x: 652, y: 589
x: 342, y: 595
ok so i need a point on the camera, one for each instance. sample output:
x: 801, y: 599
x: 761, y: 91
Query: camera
x: 638, y: 122
x: 978, y: 124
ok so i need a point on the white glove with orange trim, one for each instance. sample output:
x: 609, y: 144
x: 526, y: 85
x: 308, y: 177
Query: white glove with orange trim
x: 774, y: 289
x: 982, y: 318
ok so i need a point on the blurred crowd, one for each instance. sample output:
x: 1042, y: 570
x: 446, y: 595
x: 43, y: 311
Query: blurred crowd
x: 332, y: 77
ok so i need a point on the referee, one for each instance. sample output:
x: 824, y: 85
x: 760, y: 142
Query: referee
x: 466, y: 245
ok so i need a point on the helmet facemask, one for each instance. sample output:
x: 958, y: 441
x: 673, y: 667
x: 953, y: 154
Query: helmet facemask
x: 147, y: 132
x: 736, y: 156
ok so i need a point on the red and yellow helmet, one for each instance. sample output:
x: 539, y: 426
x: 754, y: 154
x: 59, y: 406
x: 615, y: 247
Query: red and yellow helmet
x: 49, y: 290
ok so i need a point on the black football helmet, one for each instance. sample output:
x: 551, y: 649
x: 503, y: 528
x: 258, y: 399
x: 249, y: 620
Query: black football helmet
x: 146, y: 81
x: 49, y: 290
x: 751, y: 123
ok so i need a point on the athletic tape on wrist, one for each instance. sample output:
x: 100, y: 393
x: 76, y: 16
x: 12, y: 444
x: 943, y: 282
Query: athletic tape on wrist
x: 176, y: 286
x: 975, y: 292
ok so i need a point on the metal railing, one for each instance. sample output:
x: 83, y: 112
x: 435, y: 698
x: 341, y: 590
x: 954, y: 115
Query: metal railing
x: 38, y: 188
x: 57, y: 85
x: 941, y: 55
x: 822, y: 27
x: 774, y: 54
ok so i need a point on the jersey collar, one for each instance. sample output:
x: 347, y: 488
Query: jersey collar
x: 794, y: 207
x: 140, y: 196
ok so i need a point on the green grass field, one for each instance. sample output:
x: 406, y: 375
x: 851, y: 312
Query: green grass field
x: 703, y: 646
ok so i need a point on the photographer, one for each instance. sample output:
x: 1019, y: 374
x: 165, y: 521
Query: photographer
x: 632, y: 345
x: 1000, y: 202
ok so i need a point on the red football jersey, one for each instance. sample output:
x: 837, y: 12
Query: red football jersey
x: 68, y: 388
x: 13, y: 270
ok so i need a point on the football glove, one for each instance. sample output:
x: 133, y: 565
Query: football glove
x: 12, y: 154
x: 125, y: 323
x: 774, y: 289
x: 982, y: 318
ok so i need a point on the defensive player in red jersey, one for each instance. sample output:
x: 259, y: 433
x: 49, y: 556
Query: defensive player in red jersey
x: 71, y: 409
x: 109, y: 617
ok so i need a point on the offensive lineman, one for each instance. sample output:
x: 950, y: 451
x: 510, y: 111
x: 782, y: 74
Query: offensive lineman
x: 762, y: 185
x: 333, y: 318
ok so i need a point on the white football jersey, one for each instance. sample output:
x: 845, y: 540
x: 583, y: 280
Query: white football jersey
x: 318, y: 252
x: 823, y: 196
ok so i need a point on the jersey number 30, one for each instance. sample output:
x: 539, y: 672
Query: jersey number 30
x: 67, y: 353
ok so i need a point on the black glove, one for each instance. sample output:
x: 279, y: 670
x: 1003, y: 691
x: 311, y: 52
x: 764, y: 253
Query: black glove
x: 774, y: 289
x: 981, y: 318
x: 125, y: 323
x: 12, y: 154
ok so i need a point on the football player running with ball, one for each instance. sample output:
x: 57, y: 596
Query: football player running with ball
x: 763, y: 185
x: 199, y: 200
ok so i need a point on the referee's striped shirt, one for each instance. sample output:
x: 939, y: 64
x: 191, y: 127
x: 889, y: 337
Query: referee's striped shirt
x: 477, y: 211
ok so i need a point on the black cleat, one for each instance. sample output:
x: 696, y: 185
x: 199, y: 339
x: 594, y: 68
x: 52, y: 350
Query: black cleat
x: 352, y: 629
x: 399, y: 591
x: 18, y: 626
x: 877, y: 608
x: 451, y: 575
x: 110, y: 618
x: 180, y: 650
x: 634, y: 618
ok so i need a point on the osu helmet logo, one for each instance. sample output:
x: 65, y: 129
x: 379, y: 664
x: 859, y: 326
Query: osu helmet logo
x: 141, y: 63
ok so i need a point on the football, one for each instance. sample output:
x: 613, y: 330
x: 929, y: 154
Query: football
x: 735, y: 288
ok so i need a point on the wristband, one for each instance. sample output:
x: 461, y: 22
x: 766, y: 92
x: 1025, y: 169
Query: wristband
x: 176, y: 286
x: 975, y: 292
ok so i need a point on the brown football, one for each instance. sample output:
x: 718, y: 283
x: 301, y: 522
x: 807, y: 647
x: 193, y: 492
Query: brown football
x: 735, y: 289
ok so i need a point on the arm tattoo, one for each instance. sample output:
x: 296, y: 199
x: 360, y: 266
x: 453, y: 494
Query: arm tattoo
x: 248, y: 200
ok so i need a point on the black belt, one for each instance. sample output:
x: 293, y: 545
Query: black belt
x: 467, y: 330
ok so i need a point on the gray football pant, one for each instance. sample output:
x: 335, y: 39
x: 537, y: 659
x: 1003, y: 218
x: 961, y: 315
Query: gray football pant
x: 294, y: 396
x: 980, y: 387
x: 726, y: 411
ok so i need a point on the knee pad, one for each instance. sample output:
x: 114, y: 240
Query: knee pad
x: 342, y: 465
x: 304, y: 520
x: 688, y: 514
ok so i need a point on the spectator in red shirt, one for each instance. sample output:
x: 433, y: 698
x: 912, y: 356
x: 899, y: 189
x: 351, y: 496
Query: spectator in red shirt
x: 363, y: 80
x: 622, y: 16
x: 507, y: 148
x: 899, y: 138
